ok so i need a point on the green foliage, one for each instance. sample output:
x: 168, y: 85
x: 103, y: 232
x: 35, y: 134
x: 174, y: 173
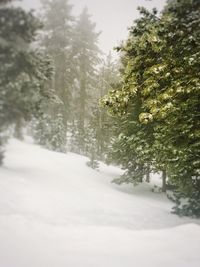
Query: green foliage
x: 23, y: 70
x: 18, y: 80
x: 187, y: 204
x: 49, y: 132
x: 159, y: 99
x: 100, y: 124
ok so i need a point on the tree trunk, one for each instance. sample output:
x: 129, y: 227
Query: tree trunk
x: 18, y: 130
x: 148, y: 174
x: 164, y: 178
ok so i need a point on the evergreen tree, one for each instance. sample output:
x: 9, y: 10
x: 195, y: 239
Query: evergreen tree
x: 57, y: 42
x: 22, y: 76
x: 132, y: 147
x: 100, y: 124
x: 183, y: 115
x: 86, y: 58
x: 50, y: 132
x: 161, y: 88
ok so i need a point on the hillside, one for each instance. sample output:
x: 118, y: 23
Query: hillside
x: 57, y: 212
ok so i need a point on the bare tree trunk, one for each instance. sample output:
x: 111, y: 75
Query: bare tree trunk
x: 18, y: 130
x: 148, y: 174
x: 164, y: 178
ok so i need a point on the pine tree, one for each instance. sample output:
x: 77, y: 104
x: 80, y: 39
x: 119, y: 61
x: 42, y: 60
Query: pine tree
x: 184, y: 124
x: 86, y: 58
x: 161, y: 88
x: 100, y: 123
x: 132, y: 147
x: 50, y: 132
x: 22, y: 76
x: 57, y: 42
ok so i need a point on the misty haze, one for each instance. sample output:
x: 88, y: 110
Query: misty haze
x: 99, y: 133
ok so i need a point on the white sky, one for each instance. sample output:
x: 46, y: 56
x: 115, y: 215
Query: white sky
x: 112, y: 17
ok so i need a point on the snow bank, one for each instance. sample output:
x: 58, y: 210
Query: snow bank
x: 55, y: 211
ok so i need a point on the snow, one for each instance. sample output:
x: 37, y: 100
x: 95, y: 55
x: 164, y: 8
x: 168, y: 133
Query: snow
x: 57, y: 212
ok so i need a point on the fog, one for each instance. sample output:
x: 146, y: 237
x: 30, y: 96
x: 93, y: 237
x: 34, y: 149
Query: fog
x: 99, y: 152
x: 113, y: 17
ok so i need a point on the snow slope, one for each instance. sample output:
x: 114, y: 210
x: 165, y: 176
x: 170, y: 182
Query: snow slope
x: 57, y: 212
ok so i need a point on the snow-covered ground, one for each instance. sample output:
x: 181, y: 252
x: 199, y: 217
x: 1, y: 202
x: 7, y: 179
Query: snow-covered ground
x: 57, y: 212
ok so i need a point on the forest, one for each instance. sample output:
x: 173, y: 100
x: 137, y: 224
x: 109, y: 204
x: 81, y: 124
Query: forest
x: 140, y: 111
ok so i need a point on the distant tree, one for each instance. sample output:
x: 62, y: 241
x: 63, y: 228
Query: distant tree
x: 57, y: 43
x: 100, y: 123
x: 50, y: 132
x: 86, y: 59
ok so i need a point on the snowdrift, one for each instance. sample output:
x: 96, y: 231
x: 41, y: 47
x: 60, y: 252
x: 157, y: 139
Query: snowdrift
x: 57, y: 212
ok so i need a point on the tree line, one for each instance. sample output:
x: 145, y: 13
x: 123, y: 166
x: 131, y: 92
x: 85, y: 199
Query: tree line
x: 53, y: 77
